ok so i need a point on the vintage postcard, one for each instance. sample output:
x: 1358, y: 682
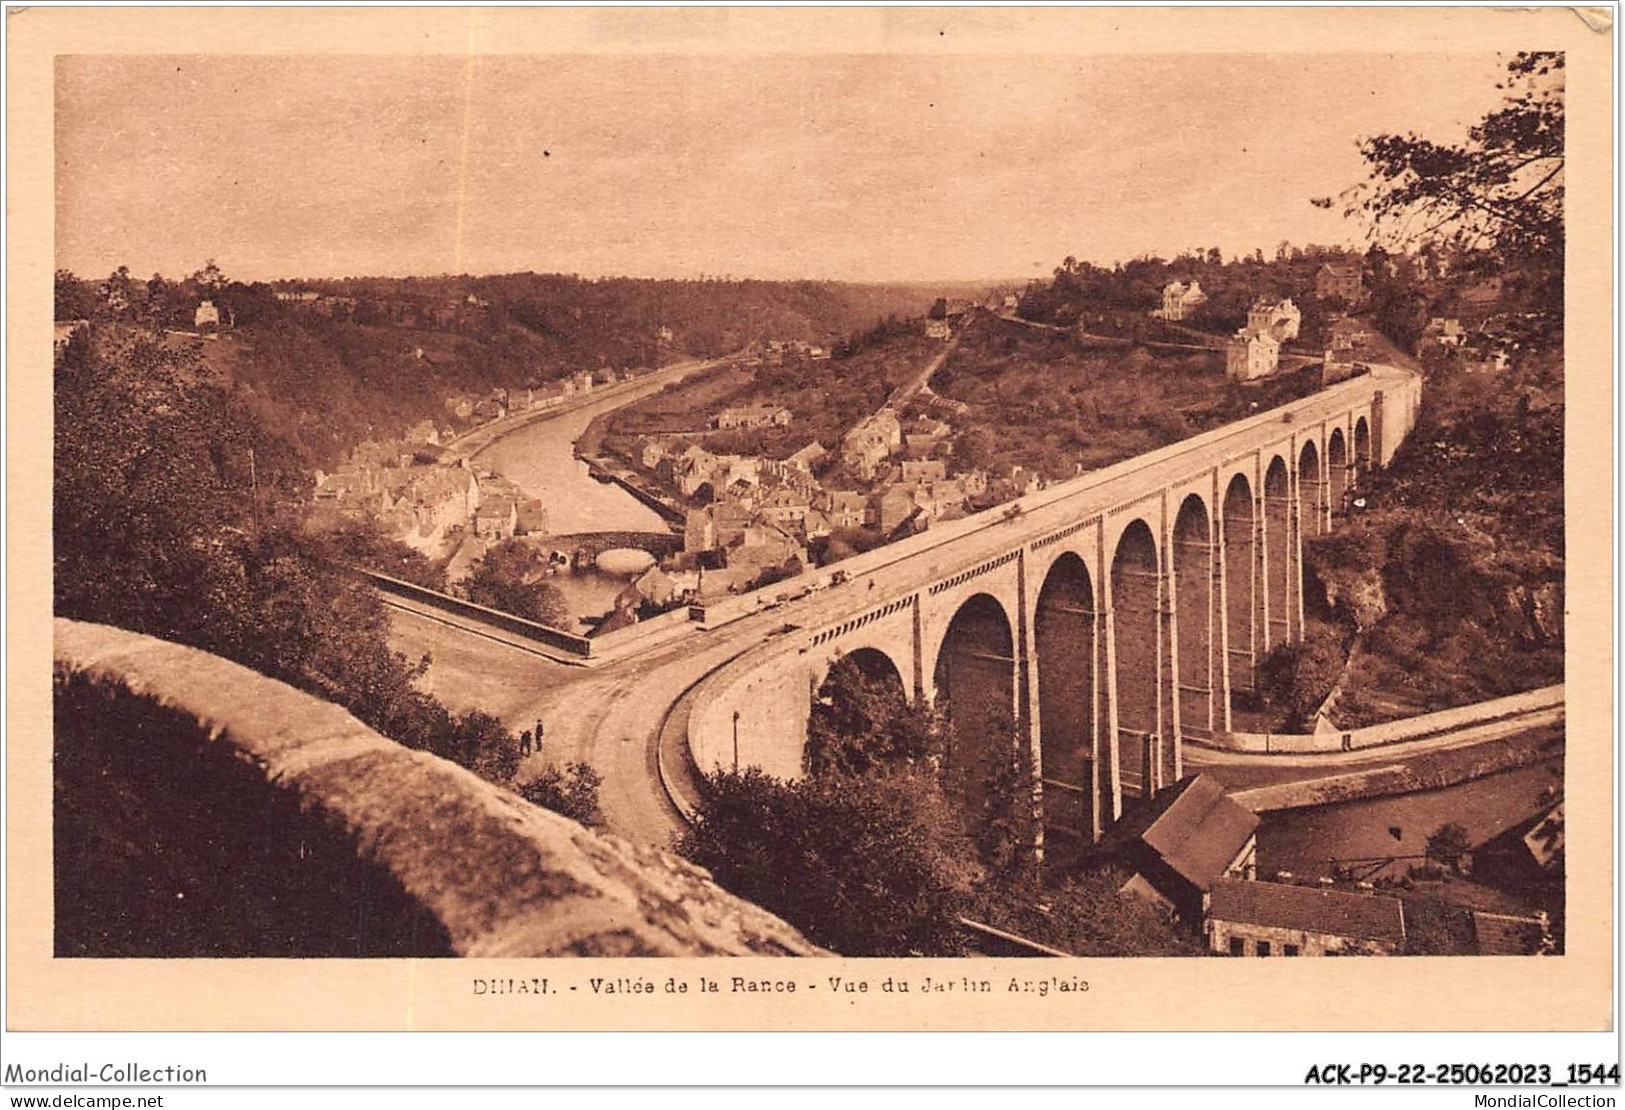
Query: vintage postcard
x: 705, y: 519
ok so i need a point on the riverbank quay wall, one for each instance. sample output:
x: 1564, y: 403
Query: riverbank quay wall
x: 1109, y: 617
x: 292, y: 829
x: 475, y: 440
x: 668, y: 511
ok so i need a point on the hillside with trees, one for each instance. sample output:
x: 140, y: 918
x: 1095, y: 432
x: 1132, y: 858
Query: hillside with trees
x: 177, y: 513
x: 326, y: 364
x: 1446, y: 582
x: 1041, y: 400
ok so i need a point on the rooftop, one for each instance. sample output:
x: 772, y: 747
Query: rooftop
x: 1311, y: 909
x: 1195, y: 827
x: 1499, y: 934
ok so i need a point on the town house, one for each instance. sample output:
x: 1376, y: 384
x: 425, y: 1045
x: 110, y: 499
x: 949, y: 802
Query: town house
x: 784, y: 506
x: 871, y: 442
x: 496, y: 519
x: 892, y: 506
x: 923, y: 470
x: 754, y: 416
x: 845, y: 508
x: 1276, y: 919
x: 808, y: 457
x: 762, y: 544
x: 1186, y: 839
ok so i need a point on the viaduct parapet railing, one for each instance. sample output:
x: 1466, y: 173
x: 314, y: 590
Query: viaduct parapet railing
x: 205, y: 809
x: 1107, y: 617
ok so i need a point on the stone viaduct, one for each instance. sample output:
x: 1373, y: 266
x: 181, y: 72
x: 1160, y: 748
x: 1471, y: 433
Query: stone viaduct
x: 1108, y: 617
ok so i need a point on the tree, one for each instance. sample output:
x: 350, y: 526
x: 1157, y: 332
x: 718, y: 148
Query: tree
x: 1503, y: 185
x: 989, y: 779
x: 1448, y: 843
x: 1500, y: 189
x: 939, y: 309
x: 862, y: 722
x: 1296, y: 677
x: 1087, y: 914
x: 507, y: 577
x: 361, y: 543
x: 73, y: 299
x: 481, y: 743
x: 572, y: 792
x: 867, y: 866
x: 972, y: 450
x: 210, y: 279
x: 156, y: 528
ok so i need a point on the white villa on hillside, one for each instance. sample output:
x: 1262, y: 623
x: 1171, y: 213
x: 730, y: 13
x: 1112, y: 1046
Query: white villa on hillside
x: 1179, y: 299
x: 1251, y: 354
x: 1281, y: 318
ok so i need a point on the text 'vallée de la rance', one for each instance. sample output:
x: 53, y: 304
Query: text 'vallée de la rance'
x: 838, y: 985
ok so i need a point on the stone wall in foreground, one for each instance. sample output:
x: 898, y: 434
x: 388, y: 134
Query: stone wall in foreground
x: 203, y: 809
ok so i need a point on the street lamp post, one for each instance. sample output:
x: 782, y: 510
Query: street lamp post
x: 736, y: 741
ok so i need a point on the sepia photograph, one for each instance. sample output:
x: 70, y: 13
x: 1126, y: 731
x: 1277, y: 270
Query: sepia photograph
x: 1094, y: 504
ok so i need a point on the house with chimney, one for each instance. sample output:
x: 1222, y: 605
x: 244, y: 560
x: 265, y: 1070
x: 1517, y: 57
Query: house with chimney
x: 784, y: 506
x: 871, y: 442
x: 1251, y: 354
x: 892, y: 506
x: 808, y: 457
x: 497, y: 518
x: 1342, y: 279
x: 922, y: 470
x: 763, y: 544
x: 844, y: 508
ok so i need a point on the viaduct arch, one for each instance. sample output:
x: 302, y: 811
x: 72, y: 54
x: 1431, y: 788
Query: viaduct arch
x: 1337, y: 472
x: 976, y: 683
x: 1067, y: 649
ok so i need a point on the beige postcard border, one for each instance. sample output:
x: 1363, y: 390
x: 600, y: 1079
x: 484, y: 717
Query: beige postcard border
x: 1571, y: 992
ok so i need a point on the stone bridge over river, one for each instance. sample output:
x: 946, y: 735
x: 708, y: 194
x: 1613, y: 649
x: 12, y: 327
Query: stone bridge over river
x: 1114, y: 614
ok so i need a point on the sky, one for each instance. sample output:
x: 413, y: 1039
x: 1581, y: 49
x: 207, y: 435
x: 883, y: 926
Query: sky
x: 863, y: 168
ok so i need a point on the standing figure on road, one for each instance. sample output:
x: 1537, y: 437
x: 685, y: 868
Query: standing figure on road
x: 538, y: 736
